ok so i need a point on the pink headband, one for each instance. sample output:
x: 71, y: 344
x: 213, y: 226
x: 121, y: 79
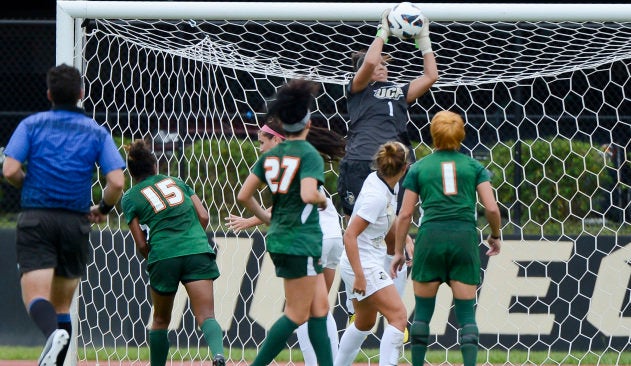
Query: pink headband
x: 269, y: 130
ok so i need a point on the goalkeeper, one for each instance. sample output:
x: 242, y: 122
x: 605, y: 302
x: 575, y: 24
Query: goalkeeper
x: 377, y: 109
x: 378, y: 113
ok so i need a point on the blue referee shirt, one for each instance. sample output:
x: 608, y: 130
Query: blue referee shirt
x: 60, y: 148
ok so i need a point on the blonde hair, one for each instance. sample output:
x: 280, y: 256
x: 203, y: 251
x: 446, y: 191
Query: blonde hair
x: 447, y: 130
x: 390, y: 159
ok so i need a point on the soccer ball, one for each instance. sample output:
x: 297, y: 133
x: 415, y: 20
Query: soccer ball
x: 405, y: 20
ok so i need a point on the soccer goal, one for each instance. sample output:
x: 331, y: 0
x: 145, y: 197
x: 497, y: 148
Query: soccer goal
x: 546, y: 95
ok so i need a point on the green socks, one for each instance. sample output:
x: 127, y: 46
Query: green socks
x: 275, y: 341
x: 319, y: 338
x: 213, y: 335
x: 468, y: 337
x: 158, y: 347
x: 419, y: 331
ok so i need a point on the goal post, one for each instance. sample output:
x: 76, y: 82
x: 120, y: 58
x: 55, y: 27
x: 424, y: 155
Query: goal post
x: 543, y: 88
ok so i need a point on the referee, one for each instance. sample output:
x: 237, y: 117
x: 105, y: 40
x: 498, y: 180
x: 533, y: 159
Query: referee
x: 52, y: 157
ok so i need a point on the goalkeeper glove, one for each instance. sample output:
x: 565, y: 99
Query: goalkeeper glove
x: 383, y: 29
x: 422, y: 41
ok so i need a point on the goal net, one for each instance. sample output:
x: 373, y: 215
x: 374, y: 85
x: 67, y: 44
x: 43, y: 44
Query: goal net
x: 545, y: 93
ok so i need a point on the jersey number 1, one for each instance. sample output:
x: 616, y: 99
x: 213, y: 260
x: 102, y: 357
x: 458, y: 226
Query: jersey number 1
x: 450, y: 186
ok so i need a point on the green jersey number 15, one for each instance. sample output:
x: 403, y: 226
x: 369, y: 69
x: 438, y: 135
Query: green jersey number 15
x: 169, y: 191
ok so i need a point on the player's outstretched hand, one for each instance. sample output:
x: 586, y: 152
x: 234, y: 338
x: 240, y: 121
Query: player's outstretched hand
x: 383, y: 29
x: 422, y: 41
x: 238, y: 223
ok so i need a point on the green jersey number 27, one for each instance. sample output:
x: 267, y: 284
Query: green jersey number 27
x: 279, y: 174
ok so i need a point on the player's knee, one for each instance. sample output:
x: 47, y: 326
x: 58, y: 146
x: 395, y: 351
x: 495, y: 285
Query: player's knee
x: 201, y: 319
x: 365, y: 323
x: 469, y: 335
x: 161, y: 321
x: 419, y: 333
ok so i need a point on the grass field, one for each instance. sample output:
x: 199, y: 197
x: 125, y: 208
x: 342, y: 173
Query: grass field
x: 367, y: 355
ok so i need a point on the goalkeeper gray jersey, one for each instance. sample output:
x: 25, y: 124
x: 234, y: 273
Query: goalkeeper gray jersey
x: 377, y: 114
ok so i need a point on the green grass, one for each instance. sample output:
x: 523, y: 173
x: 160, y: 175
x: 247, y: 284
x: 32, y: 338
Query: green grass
x: 433, y: 356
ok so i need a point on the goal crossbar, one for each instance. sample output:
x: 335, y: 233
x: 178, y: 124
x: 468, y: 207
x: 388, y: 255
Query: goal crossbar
x: 341, y: 11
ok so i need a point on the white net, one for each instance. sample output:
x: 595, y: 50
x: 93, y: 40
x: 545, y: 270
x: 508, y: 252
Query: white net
x: 547, y: 107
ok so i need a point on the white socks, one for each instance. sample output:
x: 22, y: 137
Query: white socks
x: 391, y: 346
x: 305, y: 344
x: 331, y: 328
x: 350, y: 344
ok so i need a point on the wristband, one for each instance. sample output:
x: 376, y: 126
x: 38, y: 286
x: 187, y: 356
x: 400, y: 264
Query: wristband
x: 104, y: 208
x: 495, y: 237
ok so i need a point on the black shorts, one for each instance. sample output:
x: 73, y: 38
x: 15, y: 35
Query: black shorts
x: 353, y: 173
x: 53, y: 238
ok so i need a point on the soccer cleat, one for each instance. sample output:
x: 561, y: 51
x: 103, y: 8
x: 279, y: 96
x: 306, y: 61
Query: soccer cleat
x: 54, y: 345
x: 219, y: 360
x: 406, y: 335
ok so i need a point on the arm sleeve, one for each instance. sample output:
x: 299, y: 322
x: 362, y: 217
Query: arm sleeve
x: 188, y: 190
x: 258, y: 170
x: 371, y: 207
x: 312, y: 167
x: 128, y: 208
x: 18, y: 147
x: 483, y: 174
x: 110, y: 159
x: 410, y: 182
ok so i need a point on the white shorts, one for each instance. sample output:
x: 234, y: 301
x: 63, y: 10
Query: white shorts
x: 332, y: 249
x: 376, y: 279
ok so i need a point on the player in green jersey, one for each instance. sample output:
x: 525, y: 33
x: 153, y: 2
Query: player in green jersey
x: 331, y: 146
x: 447, y: 183
x: 293, y: 170
x: 176, y: 249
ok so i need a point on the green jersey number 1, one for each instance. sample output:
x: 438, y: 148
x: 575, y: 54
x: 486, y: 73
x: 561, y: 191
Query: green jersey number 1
x: 450, y: 186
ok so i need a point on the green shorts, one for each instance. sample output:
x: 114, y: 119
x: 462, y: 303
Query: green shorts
x: 445, y: 252
x: 296, y: 266
x: 165, y: 275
